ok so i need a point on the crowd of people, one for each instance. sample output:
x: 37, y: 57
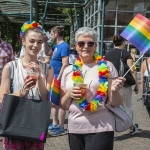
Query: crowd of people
x: 90, y: 124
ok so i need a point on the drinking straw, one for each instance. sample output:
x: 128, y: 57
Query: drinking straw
x: 84, y: 74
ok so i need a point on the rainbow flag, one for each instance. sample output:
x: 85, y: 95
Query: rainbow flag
x: 138, y: 33
x: 54, y: 93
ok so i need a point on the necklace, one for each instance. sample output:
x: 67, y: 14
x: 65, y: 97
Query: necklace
x: 103, y: 73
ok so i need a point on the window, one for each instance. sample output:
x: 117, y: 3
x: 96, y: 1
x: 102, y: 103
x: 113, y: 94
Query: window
x: 111, y: 5
x: 110, y: 17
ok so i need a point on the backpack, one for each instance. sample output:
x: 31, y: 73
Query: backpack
x: 122, y: 70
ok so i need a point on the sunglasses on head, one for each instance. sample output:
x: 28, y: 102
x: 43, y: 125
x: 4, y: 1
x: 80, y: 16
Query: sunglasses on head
x: 82, y: 43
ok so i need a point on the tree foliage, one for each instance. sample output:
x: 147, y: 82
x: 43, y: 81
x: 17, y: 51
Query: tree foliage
x: 10, y: 30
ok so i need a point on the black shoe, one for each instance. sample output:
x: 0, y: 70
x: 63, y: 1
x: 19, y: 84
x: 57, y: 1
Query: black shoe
x: 136, y: 125
x: 135, y: 129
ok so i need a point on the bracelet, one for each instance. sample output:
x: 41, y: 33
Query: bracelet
x: 21, y: 93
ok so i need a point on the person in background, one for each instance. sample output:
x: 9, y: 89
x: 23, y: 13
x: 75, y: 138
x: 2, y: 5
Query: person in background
x: 6, y: 54
x: 73, y: 54
x: 59, y: 61
x: 18, y: 54
x: 32, y: 38
x: 15, y: 54
x: 114, y: 56
x: 133, y: 53
x: 90, y: 124
x: 41, y: 55
x: 144, y: 72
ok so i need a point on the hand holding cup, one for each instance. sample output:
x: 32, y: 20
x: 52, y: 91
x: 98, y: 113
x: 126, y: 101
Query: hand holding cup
x: 32, y: 74
x: 78, y: 91
x: 29, y: 83
x: 82, y: 87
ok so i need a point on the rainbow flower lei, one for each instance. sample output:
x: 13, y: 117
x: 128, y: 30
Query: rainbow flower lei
x: 29, y: 25
x: 103, y: 73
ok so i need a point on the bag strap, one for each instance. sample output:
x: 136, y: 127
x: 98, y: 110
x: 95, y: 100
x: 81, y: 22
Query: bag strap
x: 13, y: 66
x: 11, y: 70
x: 46, y: 68
x: 120, y: 65
x: 121, y: 55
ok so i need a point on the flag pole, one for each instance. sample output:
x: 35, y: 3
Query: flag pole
x: 133, y: 65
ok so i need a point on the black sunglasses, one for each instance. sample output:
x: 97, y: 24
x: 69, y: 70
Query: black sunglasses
x: 82, y: 43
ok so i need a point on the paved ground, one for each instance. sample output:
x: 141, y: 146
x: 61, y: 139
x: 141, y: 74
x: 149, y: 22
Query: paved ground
x: 124, y: 141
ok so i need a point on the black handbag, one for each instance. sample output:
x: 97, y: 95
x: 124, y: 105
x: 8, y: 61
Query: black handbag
x: 122, y: 70
x: 24, y: 119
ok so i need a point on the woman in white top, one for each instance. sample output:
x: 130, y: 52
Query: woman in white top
x: 32, y: 38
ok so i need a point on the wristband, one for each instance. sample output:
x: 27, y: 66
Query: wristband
x: 21, y: 93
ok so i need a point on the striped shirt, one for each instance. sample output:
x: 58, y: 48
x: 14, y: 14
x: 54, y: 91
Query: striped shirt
x: 6, y: 55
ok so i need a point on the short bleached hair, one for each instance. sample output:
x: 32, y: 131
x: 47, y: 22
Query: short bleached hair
x: 86, y: 31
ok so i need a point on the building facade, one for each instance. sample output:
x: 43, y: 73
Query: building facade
x: 110, y: 17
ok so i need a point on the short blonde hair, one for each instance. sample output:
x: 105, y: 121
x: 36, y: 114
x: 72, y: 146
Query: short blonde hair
x: 86, y: 31
x: 133, y: 50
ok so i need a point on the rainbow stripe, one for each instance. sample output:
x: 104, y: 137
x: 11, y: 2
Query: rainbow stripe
x: 138, y: 33
x: 29, y: 25
x: 54, y: 93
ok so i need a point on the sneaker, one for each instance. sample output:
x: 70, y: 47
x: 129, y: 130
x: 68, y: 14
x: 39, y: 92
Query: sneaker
x: 135, y: 129
x: 58, y: 131
x: 137, y: 126
x: 52, y: 127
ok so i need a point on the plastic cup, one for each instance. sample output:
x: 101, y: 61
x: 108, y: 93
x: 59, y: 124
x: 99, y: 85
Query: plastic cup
x: 48, y: 35
x: 83, y: 87
x: 32, y: 73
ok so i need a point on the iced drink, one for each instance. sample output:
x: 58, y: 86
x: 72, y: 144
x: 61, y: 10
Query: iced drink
x: 32, y: 73
x: 83, y: 87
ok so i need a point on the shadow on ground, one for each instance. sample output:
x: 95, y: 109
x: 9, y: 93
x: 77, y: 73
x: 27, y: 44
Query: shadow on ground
x: 141, y: 133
